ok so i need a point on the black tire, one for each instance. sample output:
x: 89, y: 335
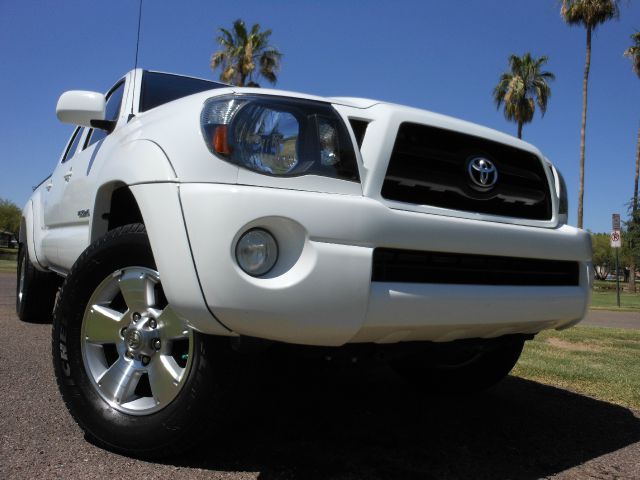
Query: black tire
x: 174, y: 428
x: 460, y: 369
x: 35, y: 290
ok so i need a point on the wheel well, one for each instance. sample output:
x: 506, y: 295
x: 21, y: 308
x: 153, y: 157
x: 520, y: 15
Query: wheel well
x: 123, y: 209
x: 115, y: 206
x: 22, y: 235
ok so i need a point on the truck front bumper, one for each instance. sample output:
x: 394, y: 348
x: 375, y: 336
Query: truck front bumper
x: 320, y: 291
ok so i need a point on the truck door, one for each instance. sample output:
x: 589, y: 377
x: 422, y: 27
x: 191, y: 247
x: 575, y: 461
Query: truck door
x: 69, y: 202
x: 52, y: 207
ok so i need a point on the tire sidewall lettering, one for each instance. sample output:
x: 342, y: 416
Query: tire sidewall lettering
x: 64, y: 357
x: 174, y: 425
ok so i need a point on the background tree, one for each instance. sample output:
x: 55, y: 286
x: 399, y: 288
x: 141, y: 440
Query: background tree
x: 603, y: 255
x: 633, y: 52
x: 242, y: 52
x: 631, y: 239
x: 9, y: 217
x: 631, y: 243
x: 589, y: 14
x: 520, y: 88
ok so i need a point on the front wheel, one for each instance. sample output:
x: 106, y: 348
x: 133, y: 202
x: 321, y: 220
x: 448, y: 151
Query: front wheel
x: 134, y: 376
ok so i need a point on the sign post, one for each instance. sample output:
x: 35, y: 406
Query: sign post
x: 616, y: 243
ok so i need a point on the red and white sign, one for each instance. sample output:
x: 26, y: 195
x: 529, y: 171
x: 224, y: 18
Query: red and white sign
x: 616, y: 242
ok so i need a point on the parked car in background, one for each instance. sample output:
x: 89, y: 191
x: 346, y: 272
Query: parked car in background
x: 8, y: 240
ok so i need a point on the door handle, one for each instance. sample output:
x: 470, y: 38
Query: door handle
x: 67, y: 176
x: 48, y: 186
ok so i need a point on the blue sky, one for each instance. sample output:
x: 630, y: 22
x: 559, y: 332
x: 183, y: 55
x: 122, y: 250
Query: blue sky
x: 441, y: 56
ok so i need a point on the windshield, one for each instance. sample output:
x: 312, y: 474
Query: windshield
x: 160, y: 88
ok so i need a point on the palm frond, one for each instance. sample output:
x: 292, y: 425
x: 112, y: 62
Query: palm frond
x: 228, y: 74
x: 242, y: 52
x: 522, y: 87
x: 270, y: 65
x: 217, y: 59
x: 226, y: 39
x: 589, y: 13
x: 633, y: 53
x: 240, y: 31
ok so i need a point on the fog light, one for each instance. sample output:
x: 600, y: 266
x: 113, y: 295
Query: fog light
x: 256, y: 252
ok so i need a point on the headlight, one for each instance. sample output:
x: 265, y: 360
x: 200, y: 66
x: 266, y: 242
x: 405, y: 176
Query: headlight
x: 278, y: 136
x: 561, y: 190
x: 563, y: 197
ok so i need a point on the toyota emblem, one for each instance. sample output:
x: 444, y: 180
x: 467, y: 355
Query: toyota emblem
x: 483, y: 172
x: 133, y: 339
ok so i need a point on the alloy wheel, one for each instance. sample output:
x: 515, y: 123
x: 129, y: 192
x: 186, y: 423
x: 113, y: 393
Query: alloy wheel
x: 136, y: 351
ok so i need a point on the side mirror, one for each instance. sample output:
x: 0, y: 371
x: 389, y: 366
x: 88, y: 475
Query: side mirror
x: 79, y: 107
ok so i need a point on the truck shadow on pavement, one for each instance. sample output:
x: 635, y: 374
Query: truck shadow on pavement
x: 373, y: 425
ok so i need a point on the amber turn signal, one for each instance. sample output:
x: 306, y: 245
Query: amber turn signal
x: 220, y: 144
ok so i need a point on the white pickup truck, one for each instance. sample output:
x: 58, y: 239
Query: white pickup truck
x: 189, y: 217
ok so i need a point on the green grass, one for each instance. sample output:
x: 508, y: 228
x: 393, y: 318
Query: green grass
x: 604, y: 297
x: 607, y: 300
x: 606, y: 285
x: 8, y: 254
x: 8, y: 266
x: 603, y: 363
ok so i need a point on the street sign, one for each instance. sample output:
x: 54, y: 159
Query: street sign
x: 615, y: 221
x: 616, y: 242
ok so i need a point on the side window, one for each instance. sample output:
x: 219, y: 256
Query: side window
x: 73, y: 146
x: 112, y: 112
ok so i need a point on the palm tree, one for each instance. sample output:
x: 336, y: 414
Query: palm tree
x: 590, y: 14
x: 522, y: 87
x: 633, y: 52
x: 240, y: 53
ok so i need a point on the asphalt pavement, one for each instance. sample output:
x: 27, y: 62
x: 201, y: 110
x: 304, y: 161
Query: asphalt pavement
x: 346, y: 424
x: 608, y: 318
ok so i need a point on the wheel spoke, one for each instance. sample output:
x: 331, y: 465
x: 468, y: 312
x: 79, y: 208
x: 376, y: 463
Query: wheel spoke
x: 137, y: 290
x: 164, y: 377
x: 103, y: 325
x: 121, y: 348
x: 119, y: 381
x: 138, y: 353
x: 172, y: 327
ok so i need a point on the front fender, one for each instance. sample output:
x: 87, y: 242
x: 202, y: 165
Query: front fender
x: 143, y: 167
x: 31, y: 231
x: 161, y: 210
x: 135, y: 162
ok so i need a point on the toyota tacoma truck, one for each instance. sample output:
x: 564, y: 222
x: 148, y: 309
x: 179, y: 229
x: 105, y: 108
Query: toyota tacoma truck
x: 186, y: 217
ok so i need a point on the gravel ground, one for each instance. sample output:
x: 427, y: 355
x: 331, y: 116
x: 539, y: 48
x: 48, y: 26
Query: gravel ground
x: 347, y: 425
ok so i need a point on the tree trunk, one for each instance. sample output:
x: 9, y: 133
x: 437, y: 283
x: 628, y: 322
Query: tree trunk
x: 583, y: 129
x: 519, y: 129
x: 635, y: 185
x: 632, y: 267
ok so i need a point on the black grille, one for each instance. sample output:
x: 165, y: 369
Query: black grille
x: 429, y: 166
x: 390, y: 265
